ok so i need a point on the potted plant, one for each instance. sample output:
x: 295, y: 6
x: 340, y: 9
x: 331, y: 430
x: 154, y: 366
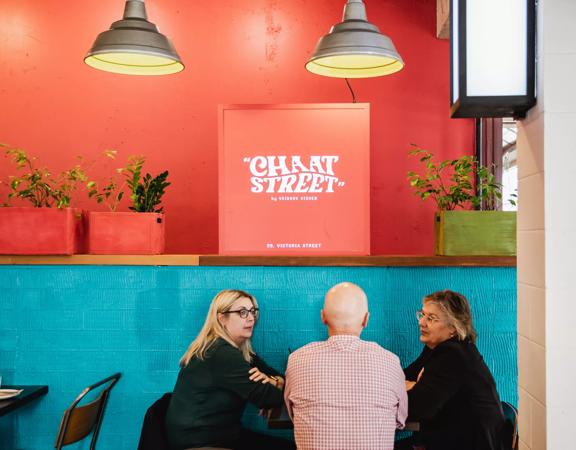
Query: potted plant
x: 138, y: 232
x: 49, y: 226
x: 460, y: 187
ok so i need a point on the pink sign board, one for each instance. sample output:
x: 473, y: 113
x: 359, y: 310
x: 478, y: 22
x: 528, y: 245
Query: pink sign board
x: 294, y: 179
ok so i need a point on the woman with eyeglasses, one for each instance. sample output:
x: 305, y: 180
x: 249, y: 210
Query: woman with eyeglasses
x: 220, y: 373
x: 451, y: 392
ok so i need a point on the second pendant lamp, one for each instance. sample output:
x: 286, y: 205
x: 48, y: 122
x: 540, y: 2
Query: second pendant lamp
x: 134, y: 46
x: 354, y: 48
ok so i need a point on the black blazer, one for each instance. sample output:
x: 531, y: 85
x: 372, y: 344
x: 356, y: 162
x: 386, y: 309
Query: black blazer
x: 455, y: 400
x: 210, y: 397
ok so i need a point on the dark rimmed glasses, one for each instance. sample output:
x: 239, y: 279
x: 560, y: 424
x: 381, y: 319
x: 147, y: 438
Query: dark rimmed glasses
x: 244, y: 312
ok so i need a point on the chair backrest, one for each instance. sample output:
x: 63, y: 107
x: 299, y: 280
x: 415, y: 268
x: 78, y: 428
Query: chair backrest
x: 153, y: 434
x: 511, y: 427
x: 79, y: 421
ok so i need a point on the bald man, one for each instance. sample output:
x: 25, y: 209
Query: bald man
x: 345, y: 393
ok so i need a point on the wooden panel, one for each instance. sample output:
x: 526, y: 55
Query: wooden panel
x: 374, y: 261
x: 216, y: 260
x: 104, y: 260
x: 82, y: 421
x: 443, y: 19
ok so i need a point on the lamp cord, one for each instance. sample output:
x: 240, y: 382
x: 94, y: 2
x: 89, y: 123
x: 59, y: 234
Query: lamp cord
x: 351, y: 90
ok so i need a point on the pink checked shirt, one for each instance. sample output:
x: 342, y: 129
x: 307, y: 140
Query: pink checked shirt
x: 345, y: 394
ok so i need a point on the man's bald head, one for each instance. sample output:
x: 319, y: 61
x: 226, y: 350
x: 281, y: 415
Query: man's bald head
x: 345, y: 309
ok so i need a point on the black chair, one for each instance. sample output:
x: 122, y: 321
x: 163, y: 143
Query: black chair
x: 79, y: 421
x: 153, y: 434
x: 511, y: 426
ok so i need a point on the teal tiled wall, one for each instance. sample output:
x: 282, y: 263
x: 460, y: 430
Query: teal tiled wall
x: 69, y: 326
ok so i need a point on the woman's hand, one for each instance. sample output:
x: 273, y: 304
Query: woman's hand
x: 279, y: 382
x: 410, y: 384
x: 257, y: 376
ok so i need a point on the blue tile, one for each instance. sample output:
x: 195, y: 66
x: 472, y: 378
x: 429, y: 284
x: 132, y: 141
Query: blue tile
x: 71, y: 326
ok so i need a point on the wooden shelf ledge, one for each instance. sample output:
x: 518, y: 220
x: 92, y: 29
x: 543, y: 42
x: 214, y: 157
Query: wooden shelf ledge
x: 217, y: 260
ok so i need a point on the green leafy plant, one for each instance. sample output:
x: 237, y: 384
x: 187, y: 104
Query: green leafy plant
x: 112, y: 192
x: 456, y: 183
x: 146, y: 192
x: 38, y: 185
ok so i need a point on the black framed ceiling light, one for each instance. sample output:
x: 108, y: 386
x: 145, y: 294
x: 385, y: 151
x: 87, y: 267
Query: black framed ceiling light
x: 134, y: 46
x: 492, y: 58
x: 354, y: 48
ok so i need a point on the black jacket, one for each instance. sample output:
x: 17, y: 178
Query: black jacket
x: 210, y: 396
x: 455, y: 400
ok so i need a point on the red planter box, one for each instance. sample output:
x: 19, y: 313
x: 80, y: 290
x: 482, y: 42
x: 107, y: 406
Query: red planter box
x: 40, y: 231
x: 125, y: 233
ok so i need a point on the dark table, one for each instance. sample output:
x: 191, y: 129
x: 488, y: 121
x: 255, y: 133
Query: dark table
x: 278, y: 418
x: 29, y: 394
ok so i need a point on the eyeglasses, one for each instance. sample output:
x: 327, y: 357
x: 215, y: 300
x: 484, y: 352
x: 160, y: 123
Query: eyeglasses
x: 244, y: 312
x: 429, y: 319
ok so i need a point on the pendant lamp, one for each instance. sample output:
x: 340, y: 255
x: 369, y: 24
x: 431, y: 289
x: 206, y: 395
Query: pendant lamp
x: 354, y: 48
x: 134, y: 46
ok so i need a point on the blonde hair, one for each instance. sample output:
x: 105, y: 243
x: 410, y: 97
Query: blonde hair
x: 213, y: 329
x: 457, y: 310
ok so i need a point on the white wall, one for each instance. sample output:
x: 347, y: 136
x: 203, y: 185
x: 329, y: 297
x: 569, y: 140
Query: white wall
x: 560, y: 219
x: 547, y: 239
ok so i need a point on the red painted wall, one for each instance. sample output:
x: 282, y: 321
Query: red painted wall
x: 235, y: 51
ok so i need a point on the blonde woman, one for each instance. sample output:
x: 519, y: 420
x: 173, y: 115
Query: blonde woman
x: 220, y: 373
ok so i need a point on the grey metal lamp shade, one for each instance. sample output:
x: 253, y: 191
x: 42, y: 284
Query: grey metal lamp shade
x: 134, y: 46
x: 354, y: 48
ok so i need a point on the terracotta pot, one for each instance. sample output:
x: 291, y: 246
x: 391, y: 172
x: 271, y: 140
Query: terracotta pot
x: 125, y: 233
x: 41, y: 231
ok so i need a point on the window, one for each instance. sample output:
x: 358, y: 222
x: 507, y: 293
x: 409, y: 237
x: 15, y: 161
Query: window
x: 509, y: 165
x: 497, y: 150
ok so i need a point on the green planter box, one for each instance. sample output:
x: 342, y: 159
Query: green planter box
x: 475, y: 233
